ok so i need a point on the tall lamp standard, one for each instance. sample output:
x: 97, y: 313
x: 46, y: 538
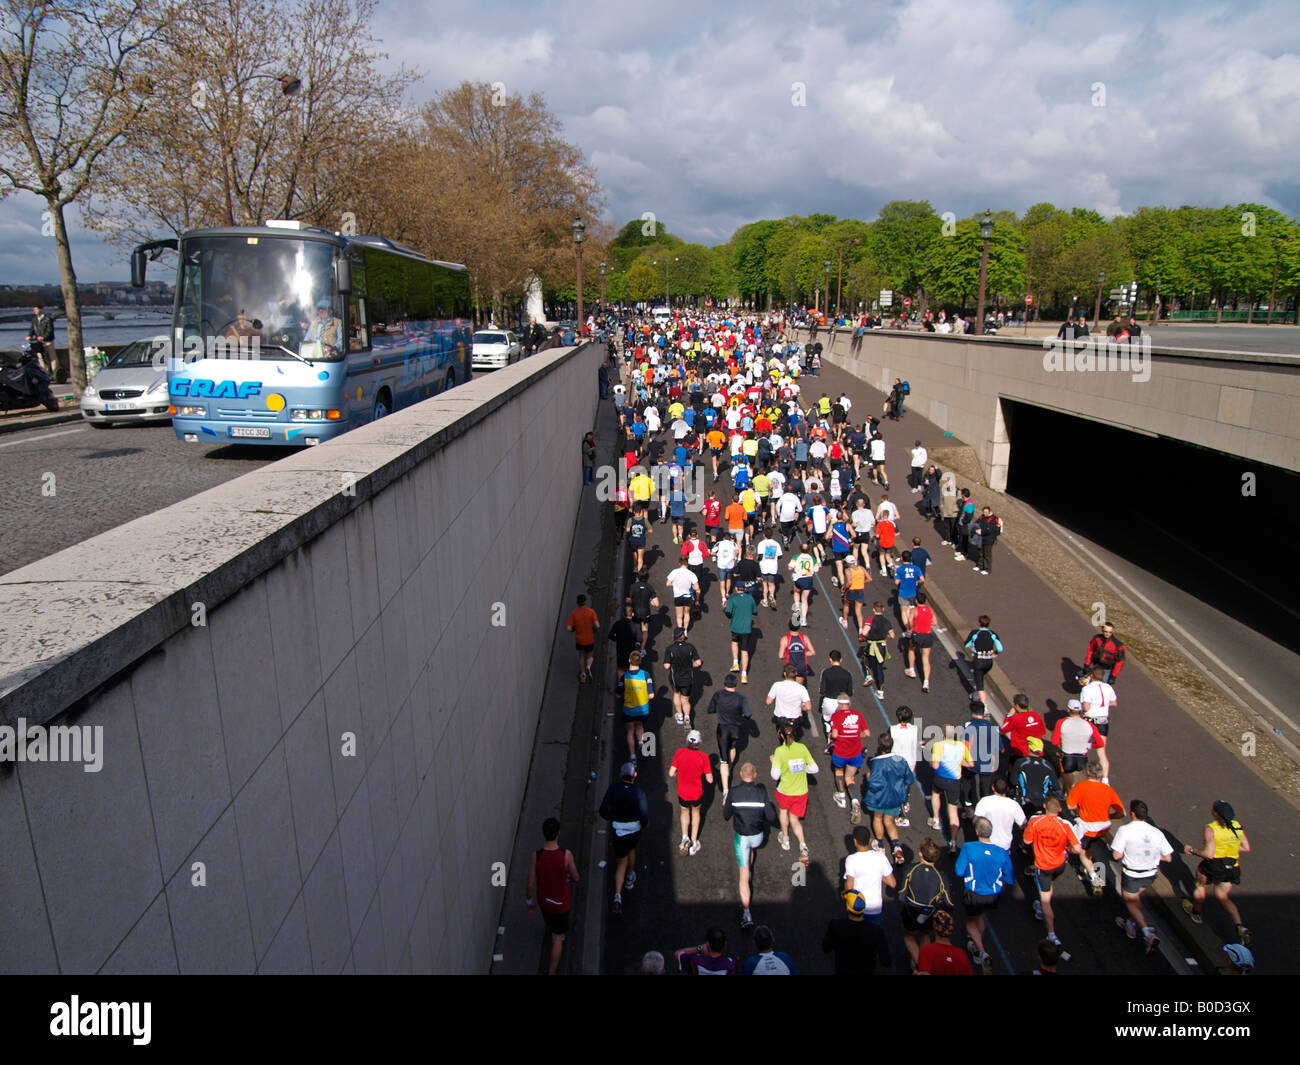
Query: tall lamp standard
x: 579, y: 232
x: 853, y: 281
x: 1096, y: 311
x: 602, y: 286
x: 827, y: 290
x: 986, y: 234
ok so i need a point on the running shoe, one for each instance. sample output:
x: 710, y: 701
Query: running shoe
x: 1151, y: 939
x: 933, y: 822
x: 926, y: 687
x: 1038, y: 912
x: 902, y: 822
x: 680, y: 720
x: 844, y: 623
x: 855, y: 812
x: 783, y: 840
x: 899, y: 856
x: 735, y: 664
x: 953, y: 846
x: 880, y: 692
x: 909, y: 673
x: 986, y: 963
x: 630, y: 882
x: 1128, y: 925
x: 1192, y: 912
x: 985, y: 572
x: 616, y: 908
x: 975, y: 568
x: 840, y: 800
x: 772, y: 604
x: 684, y: 845
x: 746, y: 920
x: 694, y: 848
x: 803, y: 853
x: 744, y: 678
x: 1243, y: 934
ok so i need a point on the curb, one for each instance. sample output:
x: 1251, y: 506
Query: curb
x: 14, y: 425
x: 1203, y: 949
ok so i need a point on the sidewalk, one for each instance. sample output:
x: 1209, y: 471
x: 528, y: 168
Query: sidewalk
x: 561, y: 782
x: 1158, y: 751
x: 35, y: 417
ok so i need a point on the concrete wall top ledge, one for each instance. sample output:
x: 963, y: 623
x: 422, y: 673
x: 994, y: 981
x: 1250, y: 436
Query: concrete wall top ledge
x: 71, y: 621
x: 1291, y: 361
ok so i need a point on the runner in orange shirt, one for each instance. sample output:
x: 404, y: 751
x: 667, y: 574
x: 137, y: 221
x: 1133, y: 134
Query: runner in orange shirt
x: 1053, y: 841
x: 736, y: 517
x: 1096, y: 802
x: 583, y: 623
x: 717, y: 440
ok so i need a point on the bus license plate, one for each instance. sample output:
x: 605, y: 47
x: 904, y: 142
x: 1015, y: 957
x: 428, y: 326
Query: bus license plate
x: 251, y: 432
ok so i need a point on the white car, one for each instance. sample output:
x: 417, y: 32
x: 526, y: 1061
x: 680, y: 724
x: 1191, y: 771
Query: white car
x: 495, y: 349
x: 131, y: 388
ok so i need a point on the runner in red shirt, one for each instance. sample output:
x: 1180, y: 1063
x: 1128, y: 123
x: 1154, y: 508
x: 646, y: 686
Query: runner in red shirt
x: 848, y: 730
x: 1053, y: 841
x: 922, y: 639
x: 886, y: 534
x: 712, y: 509
x: 691, y: 767
x: 941, y: 958
x: 550, y: 871
x: 1020, y: 725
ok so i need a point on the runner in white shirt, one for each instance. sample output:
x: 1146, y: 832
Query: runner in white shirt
x: 725, y: 554
x: 1098, y: 698
x: 1140, y: 848
x: 867, y: 871
x: 685, y: 586
x: 769, y: 558
x: 787, y: 513
x: 887, y: 509
x: 680, y: 430
x: 788, y: 698
x: 919, y: 457
x: 907, y: 743
x: 1003, y: 812
x: 652, y: 421
x: 863, y: 522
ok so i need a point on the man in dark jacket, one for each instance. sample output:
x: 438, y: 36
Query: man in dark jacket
x: 627, y: 811
x: 534, y: 337
x: 989, y: 526
x: 41, y: 336
x: 856, y: 942
x: 750, y: 811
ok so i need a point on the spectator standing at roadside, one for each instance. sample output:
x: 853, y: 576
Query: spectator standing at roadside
x: 1106, y: 651
x: 989, y: 527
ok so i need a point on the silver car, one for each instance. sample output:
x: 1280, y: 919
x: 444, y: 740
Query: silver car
x: 495, y: 349
x: 131, y: 388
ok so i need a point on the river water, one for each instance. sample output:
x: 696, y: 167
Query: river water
x: 126, y: 325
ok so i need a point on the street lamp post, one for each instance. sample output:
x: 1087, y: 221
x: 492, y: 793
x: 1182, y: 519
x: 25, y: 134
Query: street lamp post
x: 986, y: 234
x: 827, y: 290
x: 853, y: 281
x: 579, y: 232
x: 1096, y: 311
x: 602, y: 286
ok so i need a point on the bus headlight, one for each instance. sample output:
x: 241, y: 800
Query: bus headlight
x: 191, y: 412
x: 306, y: 415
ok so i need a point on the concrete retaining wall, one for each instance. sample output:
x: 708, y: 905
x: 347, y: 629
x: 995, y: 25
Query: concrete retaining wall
x: 1240, y: 403
x: 319, y: 775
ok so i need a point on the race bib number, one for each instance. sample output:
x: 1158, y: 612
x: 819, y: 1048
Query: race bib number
x: 796, y: 765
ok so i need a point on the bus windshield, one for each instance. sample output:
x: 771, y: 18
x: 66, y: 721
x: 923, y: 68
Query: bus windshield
x: 274, y: 295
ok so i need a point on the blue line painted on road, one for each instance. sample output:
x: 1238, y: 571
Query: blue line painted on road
x: 853, y: 653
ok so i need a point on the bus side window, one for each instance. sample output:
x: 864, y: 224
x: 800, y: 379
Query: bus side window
x: 358, y: 327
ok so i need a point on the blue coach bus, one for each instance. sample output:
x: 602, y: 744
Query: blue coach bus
x: 290, y: 334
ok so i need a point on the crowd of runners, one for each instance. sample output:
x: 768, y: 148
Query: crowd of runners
x: 772, y: 487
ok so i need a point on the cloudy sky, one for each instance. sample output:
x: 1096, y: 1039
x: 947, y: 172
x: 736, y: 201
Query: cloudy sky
x: 711, y: 113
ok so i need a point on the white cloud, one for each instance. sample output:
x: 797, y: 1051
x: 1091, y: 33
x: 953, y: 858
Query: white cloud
x: 684, y: 108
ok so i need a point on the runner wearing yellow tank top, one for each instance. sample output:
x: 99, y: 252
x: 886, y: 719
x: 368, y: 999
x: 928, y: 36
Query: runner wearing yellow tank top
x: 1225, y: 842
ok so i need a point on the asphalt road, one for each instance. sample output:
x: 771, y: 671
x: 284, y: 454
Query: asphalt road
x: 62, y: 484
x: 678, y: 897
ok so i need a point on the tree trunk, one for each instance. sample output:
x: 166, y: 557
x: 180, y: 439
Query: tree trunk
x: 1250, y: 310
x: 68, y: 282
x: 1218, y: 316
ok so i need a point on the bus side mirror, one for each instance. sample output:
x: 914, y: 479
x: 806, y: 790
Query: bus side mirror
x: 137, y: 268
x: 345, y: 276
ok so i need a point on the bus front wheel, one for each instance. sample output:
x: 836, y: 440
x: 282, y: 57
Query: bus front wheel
x: 449, y: 381
x: 383, y: 406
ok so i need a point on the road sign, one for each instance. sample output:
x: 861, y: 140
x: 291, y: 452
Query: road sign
x: 886, y: 297
x: 1029, y: 301
x: 907, y: 302
x: 1117, y: 294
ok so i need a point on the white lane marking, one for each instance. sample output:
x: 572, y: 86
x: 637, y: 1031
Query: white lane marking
x: 1196, y: 660
x: 47, y: 436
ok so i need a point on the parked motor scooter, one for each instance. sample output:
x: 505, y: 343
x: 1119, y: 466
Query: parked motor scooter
x: 24, y: 382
